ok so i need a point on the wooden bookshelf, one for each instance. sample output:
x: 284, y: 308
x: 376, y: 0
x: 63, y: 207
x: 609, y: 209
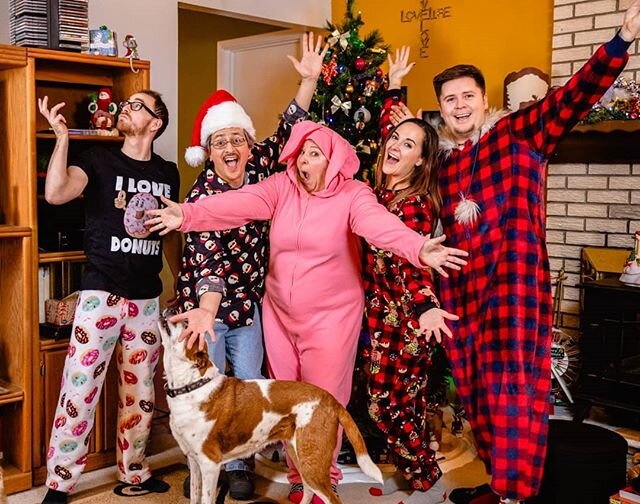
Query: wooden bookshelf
x: 56, y: 257
x: 30, y: 366
x: 85, y: 138
x: 13, y: 393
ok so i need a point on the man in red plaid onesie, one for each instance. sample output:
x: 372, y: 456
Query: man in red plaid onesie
x: 492, y: 180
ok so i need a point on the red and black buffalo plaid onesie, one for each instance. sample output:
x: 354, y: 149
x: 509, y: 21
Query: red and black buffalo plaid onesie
x: 500, y: 351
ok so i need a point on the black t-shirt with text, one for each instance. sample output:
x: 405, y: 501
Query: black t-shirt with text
x: 123, y: 257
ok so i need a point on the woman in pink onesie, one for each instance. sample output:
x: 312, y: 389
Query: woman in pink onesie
x: 313, y: 304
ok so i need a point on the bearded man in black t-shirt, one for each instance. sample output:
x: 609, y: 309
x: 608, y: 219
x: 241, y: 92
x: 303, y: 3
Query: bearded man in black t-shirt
x: 118, y: 307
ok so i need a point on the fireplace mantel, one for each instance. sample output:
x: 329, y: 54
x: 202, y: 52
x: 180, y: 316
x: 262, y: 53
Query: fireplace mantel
x: 606, y: 142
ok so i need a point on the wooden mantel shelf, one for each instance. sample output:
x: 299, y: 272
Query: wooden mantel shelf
x: 606, y: 142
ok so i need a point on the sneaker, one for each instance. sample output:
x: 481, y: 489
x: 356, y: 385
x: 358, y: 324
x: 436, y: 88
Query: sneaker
x: 241, y: 485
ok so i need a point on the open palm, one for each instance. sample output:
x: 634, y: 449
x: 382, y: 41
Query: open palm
x: 400, y: 67
x: 164, y: 220
x: 310, y: 65
x: 631, y: 23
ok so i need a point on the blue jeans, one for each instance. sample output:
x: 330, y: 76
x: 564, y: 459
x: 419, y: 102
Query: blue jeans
x: 243, y: 348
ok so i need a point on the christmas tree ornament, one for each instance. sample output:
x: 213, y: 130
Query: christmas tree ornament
x: 348, y: 88
x: 370, y: 88
x: 360, y: 64
x: 362, y: 114
x: 338, y: 104
x: 379, y: 72
x: 339, y: 38
x: 329, y: 71
x: 341, y: 68
x: 360, y: 125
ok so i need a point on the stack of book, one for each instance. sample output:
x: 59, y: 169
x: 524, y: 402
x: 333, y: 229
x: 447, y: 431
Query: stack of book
x: 56, y: 24
x: 72, y: 25
x: 29, y: 23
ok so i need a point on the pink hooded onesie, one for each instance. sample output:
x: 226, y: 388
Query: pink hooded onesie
x: 314, y: 300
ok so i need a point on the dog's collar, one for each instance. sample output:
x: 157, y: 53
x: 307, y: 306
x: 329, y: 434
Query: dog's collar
x: 187, y: 388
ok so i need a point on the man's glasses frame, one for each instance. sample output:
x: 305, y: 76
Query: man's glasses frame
x: 136, y: 106
x: 220, y: 143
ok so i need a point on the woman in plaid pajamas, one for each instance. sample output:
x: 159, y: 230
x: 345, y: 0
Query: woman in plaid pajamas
x: 401, y: 307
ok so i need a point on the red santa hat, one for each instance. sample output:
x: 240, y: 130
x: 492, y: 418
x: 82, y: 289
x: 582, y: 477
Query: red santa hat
x: 221, y: 110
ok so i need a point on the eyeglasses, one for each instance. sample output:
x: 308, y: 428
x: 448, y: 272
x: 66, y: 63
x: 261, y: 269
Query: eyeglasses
x: 136, y: 106
x: 221, y: 142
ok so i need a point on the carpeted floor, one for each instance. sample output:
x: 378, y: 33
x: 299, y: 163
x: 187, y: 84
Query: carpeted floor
x: 458, y: 462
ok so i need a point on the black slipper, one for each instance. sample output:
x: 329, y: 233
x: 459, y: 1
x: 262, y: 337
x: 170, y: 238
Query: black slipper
x: 152, y: 485
x: 467, y: 495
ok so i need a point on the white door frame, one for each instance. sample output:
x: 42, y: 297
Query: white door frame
x: 228, y: 49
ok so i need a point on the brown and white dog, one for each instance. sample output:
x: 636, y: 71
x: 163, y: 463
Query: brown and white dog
x: 216, y: 419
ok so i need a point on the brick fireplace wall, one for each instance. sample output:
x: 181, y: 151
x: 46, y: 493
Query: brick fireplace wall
x: 588, y: 204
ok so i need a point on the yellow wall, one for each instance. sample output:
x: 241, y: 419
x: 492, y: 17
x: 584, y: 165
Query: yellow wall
x: 498, y: 36
x: 198, y: 36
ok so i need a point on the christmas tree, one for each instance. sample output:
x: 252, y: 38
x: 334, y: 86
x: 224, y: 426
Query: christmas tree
x: 348, y: 98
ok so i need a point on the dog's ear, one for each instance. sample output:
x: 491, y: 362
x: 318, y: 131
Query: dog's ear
x: 202, y: 361
x: 199, y: 358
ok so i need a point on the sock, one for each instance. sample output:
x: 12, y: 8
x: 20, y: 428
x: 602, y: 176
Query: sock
x: 54, y: 496
x: 392, y: 484
x: 469, y: 495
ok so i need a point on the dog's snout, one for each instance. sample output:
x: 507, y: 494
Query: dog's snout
x: 167, y: 313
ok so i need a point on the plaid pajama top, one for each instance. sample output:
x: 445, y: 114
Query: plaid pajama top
x: 500, y: 352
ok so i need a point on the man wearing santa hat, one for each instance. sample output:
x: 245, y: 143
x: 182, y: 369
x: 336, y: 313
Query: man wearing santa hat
x: 222, y: 275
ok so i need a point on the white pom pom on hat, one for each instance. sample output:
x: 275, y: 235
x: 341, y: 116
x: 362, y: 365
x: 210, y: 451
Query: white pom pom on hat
x: 221, y: 110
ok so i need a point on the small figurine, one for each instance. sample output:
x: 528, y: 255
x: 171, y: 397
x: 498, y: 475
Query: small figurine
x: 102, y: 109
x: 132, y: 47
x: 631, y: 271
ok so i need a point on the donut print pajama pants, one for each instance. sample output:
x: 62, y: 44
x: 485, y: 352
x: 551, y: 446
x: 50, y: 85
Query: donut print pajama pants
x: 103, y: 323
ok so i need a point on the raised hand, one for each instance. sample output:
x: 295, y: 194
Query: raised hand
x: 434, y: 254
x: 433, y: 323
x: 399, y: 68
x: 166, y: 219
x: 631, y: 22
x: 56, y: 120
x: 310, y: 65
x: 199, y: 324
x: 401, y: 112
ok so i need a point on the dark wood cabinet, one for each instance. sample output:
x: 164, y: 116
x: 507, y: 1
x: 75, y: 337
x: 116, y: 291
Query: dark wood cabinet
x: 610, y: 346
x: 103, y: 437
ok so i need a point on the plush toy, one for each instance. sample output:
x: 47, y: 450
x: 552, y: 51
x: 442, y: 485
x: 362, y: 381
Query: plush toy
x: 102, y: 110
x: 132, y: 47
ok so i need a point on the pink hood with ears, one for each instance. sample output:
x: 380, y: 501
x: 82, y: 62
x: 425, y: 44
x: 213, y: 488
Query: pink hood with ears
x: 343, y: 162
